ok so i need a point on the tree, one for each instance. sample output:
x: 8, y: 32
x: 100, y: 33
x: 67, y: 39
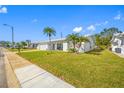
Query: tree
x: 103, y: 38
x: 109, y: 32
x: 49, y: 32
x: 8, y: 44
x: 81, y: 39
x: 5, y: 43
x: 98, y: 40
x: 28, y: 43
x: 23, y: 43
x: 73, y: 38
x: 19, y: 46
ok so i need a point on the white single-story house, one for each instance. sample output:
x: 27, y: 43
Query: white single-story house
x: 118, y: 43
x: 64, y: 45
x: 56, y: 44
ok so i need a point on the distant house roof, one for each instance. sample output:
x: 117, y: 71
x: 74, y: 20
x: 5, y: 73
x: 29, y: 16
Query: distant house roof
x: 47, y: 41
x: 117, y: 35
x: 58, y: 40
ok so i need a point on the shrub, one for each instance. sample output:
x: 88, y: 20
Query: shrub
x: 72, y: 50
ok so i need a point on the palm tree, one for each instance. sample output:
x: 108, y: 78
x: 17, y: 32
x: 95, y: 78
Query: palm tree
x: 19, y: 46
x: 49, y: 32
x: 73, y: 38
x: 82, y: 39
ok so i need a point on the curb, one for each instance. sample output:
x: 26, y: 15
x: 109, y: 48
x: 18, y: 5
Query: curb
x: 12, y: 80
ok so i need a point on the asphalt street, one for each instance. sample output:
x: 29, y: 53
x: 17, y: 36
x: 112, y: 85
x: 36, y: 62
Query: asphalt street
x: 3, y: 82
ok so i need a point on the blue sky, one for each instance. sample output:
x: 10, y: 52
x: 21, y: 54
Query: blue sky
x: 29, y: 21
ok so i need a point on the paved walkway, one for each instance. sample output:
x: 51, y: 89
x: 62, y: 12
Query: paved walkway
x: 26, y: 51
x: 3, y: 83
x: 118, y: 54
x: 31, y: 76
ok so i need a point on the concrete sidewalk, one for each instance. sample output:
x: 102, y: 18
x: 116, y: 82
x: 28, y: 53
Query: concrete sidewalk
x: 118, y: 54
x: 31, y: 76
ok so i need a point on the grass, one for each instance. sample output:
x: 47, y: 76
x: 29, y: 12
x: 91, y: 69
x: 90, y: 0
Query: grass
x: 16, y: 50
x: 94, y: 69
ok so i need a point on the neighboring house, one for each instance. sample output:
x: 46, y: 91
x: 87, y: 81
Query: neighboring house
x: 118, y: 43
x: 56, y: 44
x: 62, y: 44
x: 33, y: 45
x: 28, y: 42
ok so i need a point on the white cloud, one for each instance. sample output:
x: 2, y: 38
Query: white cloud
x: 105, y: 23
x: 78, y: 29
x: 118, y: 16
x: 86, y: 35
x: 34, y: 20
x: 100, y: 24
x: 3, y: 9
x: 91, y: 28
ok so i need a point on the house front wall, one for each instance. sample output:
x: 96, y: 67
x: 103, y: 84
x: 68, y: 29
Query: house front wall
x: 117, y: 44
x: 113, y: 48
x: 117, y: 47
x: 85, y: 47
x: 122, y: 48
x: 65, y: 46
x: 42, y: 47
x: 58, y: 45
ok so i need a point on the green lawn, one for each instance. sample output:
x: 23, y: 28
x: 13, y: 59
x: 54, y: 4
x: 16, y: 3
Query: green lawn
x: 16, y: 50
x: 93, y: 69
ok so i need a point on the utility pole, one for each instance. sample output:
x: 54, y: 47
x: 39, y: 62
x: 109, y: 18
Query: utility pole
x: 61, y: 35
x: 12, y: 28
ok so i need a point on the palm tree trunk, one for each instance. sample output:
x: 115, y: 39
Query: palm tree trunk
x: 49, y: 43
x: 79, y: 46
x: 74, y: 44
x: 90, y: 46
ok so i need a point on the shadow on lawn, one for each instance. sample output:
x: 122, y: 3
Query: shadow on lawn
x: 95, y: 52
